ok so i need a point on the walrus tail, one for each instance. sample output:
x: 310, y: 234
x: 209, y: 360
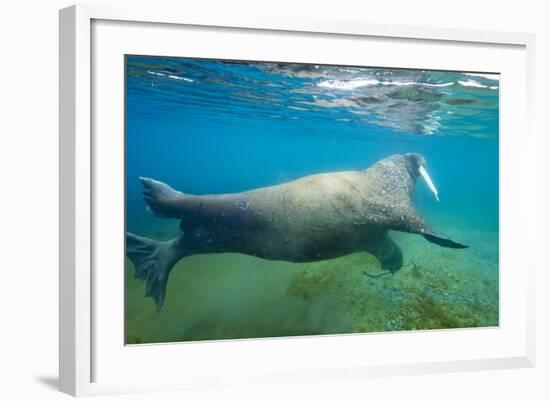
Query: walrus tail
x: 153, y: 261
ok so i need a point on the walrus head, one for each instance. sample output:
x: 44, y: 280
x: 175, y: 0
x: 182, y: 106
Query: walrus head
x: 417, y: 167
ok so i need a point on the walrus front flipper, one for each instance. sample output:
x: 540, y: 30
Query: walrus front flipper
x: 445, y: 242
x: 153, y: 261
x: 388, y: 253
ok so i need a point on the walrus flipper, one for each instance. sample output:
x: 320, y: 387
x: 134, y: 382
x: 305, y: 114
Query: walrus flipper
x: 409, y: 220
x: 388, y: 253
x: 445, y: 242
x: 158, y: 196
x: 153, y: 261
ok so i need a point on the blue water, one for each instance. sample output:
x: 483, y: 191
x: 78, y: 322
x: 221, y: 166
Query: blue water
x: 209, y: 126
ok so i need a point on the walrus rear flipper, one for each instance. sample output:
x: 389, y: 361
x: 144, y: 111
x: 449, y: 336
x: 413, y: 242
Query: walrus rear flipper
x: 153, y: 261
x: 445, y: 242
x: 158, y: 196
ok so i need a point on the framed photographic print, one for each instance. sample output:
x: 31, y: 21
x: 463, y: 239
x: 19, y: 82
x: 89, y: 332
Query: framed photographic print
x: 268, y: 200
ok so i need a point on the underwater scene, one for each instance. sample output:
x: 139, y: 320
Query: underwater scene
x: 268, y: 199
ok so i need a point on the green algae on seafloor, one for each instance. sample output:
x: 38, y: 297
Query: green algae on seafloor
x: 441, y: 291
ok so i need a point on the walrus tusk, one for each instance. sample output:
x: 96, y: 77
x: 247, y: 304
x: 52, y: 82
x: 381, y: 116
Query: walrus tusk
x: 429, y: 181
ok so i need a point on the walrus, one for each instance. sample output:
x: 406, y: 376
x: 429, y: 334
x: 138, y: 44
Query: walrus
x: 317, y: 217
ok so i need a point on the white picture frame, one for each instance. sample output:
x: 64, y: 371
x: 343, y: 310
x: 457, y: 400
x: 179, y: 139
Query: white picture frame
x: 79, y: 344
